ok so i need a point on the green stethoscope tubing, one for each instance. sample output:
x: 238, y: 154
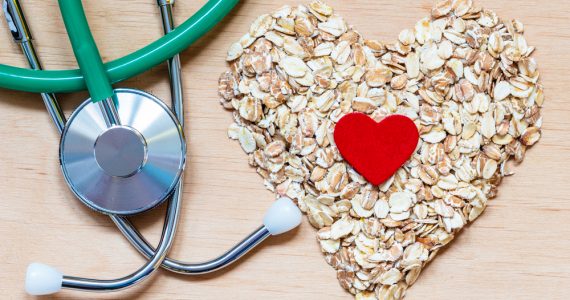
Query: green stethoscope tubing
x: 85, y: 50
x: 58, y: 81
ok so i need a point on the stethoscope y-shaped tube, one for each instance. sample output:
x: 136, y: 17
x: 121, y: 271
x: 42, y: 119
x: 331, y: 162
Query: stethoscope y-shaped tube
x: 89, y: 59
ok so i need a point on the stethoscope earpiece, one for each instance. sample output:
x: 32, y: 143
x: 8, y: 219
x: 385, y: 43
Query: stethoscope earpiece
x: 282, y: 216
x: 42, y: 280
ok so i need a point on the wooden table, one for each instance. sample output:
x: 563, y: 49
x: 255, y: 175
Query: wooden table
x: 519, y: 249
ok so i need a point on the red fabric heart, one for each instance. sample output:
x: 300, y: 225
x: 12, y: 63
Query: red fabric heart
x: 376, y: 150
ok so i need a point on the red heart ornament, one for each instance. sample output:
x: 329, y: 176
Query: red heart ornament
x: 376, y: 150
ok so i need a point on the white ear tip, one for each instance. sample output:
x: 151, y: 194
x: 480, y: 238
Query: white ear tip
x: 42, y: 280
x: 282, y: 216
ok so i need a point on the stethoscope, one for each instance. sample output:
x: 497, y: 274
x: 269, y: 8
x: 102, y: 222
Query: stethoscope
x: 122, y: 151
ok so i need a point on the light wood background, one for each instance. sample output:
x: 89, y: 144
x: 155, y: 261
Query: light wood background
x: 519, y: 249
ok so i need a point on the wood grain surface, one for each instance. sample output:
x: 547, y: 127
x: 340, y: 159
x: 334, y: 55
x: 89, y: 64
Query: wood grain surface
x: 519, y: 249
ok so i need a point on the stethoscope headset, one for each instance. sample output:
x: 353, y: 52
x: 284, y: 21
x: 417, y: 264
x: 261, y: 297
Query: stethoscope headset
x: 122, y: 151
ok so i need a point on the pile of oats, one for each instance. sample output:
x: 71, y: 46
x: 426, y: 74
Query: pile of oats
x: 463, y: 75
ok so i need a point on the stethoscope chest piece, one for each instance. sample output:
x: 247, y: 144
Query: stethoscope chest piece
x: 128, y: 168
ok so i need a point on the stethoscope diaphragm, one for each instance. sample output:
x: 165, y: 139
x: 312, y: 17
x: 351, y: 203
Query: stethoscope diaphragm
x: 124, y: 169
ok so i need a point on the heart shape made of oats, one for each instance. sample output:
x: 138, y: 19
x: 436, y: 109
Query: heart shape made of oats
x: 463, y: 75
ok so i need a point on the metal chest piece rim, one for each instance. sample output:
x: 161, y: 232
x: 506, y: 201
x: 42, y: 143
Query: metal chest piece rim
x: 124, y: 169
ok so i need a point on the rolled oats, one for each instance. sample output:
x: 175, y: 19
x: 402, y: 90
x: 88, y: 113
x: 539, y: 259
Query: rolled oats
x: 463, y: 75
